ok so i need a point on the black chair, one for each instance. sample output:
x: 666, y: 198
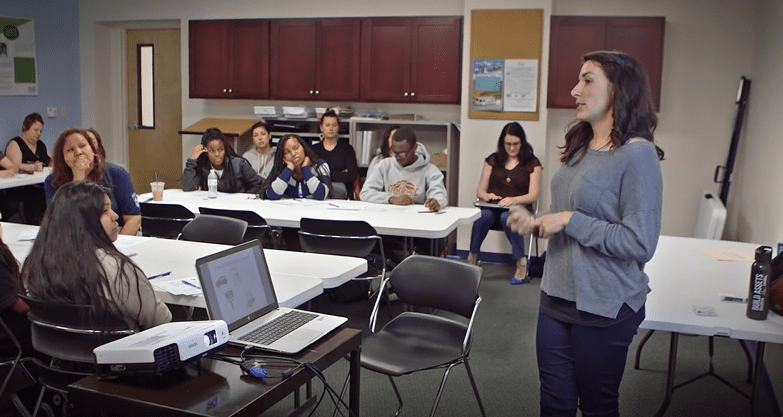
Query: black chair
x: 256, y: 225
x: 355, y: 238
x: 11, y: 359
x: 214, y: 229
x: 163, y: 219
x: 416, y: 341
x: 68, y: 334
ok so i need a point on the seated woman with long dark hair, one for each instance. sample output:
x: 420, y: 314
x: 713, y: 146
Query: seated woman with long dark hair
x: 76, y: 159
x: 74, y: 260
x: 235, y: 175
x: 13, y: 309
x: 298, y: 172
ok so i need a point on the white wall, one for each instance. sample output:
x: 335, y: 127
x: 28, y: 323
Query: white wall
x: 755, y: 198
x: 708, y: 46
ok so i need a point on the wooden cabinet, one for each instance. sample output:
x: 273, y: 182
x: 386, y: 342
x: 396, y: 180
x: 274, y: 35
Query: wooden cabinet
x: 411, y: 59
x: 229, y: 58
x: 573, y: 36
x: 315, y: 59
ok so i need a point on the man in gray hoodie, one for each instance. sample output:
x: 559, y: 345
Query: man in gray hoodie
x: 407, y: 178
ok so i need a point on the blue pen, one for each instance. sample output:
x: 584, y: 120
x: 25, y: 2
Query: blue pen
x: 165, y: 274
x: 188, y: 283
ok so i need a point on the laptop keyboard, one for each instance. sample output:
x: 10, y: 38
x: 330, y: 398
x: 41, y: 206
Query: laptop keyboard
x: 279, y: 327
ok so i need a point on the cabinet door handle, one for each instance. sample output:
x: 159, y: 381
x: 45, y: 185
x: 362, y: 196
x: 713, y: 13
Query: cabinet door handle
x: 311, y: 92
x: 317, y: 92
x: 225, y: 90
x: 230, y: 90
x: 413, y: 94
x: 405, y: 94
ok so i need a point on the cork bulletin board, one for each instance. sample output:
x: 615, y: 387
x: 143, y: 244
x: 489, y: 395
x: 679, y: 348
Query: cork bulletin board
x: 506, y: 36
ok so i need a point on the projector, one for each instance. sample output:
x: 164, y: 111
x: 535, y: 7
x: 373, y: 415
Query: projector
x: 160, y: 349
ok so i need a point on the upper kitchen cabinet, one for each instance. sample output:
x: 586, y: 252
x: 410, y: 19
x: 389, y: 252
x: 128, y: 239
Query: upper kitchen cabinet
x: 315, y: 59
x: 408, y: 60
x: 229, y: 58
x: 573, y: 36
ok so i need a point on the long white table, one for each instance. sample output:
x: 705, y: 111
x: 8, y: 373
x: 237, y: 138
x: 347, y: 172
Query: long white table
x: 25, y: 179
x: 408, y: 221
x: 297, y: 277
x: 684, y: 279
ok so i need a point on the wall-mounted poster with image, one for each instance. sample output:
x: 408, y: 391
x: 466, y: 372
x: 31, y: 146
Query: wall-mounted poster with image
x: 18, y: 75
x: 486, y: 87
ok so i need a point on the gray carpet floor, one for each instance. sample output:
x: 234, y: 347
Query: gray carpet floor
x: 504, y: 364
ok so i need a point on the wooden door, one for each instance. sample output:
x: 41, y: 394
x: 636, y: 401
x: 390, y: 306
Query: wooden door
x: 157, y: 149
x: 292, y: 64
x: 436, y: 60
x: 386, y: 58
x: 338, y: 44
x: 249, y: 59
x: 209, y: 52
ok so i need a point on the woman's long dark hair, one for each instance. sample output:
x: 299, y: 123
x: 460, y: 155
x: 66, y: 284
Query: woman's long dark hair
x: 202, y: 163
x: 525, y: 150
x: 279, y: 163
x: 63, y: 265
x: 8, y: 259
x: 385, y: 149
x: 632, y: 108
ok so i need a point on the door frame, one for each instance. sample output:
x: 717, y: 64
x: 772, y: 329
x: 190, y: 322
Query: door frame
x: 111, y: 101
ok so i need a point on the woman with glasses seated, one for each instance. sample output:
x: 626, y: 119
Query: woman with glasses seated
x: 509, y: 177
x: 235, y: 174
x: 74, y: 260
x: 297, y: 172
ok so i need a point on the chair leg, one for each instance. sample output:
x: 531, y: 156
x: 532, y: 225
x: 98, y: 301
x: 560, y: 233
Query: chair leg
x: 38, y: 403
x: 475, y: 388
x: 397, y: 393
x: 440, y: 389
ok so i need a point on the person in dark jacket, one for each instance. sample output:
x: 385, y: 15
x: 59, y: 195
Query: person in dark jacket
x: 235, y: 174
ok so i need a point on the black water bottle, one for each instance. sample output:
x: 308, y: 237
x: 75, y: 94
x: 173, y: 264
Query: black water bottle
x: 758, y: 297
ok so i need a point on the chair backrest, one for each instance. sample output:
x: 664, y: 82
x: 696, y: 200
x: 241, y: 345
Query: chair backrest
x: 439, y: 283
x: 70, y: 332
x: 256, y: 225
x: 163, y: 219
x: 215, y: 229
x: 337, y: 237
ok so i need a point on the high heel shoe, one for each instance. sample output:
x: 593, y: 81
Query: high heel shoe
x: 521, y: 270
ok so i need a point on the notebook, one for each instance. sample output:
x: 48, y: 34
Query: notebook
x: 238, y: 289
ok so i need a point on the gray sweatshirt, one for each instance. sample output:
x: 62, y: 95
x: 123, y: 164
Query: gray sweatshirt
x: 598, y: 260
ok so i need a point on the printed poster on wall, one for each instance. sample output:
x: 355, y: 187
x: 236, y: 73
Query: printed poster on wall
x: 17, y: 57
x: 487, y: 85
x: 520, y: 90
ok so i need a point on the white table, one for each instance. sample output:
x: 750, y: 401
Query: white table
x: 683, y: 277
x: 297, y: 277
x: 25, y: 179
x: 408, y: 221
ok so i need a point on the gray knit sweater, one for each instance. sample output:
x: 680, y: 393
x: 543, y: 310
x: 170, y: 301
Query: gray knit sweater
x: 598, y: 260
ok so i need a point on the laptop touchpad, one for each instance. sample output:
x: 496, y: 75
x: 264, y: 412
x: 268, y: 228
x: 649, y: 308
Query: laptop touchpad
x: 306, y: 335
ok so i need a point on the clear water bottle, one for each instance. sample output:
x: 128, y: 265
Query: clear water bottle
x: 212, y: 184
x: 758, y: 296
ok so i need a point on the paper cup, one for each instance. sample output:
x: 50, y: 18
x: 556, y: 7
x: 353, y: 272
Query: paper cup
x: 157, y: 190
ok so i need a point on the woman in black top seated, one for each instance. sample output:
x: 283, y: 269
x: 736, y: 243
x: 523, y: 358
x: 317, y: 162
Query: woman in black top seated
x: 235, y: 175
x: 339, y: 155
x: 29, y: 154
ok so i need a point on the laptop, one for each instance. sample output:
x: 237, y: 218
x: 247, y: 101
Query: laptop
x: 238, y: 289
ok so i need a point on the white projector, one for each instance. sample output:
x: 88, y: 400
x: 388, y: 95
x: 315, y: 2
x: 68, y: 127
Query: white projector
x: 161, y: 348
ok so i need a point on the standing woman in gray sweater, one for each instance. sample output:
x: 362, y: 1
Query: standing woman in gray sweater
x: 603, y: 228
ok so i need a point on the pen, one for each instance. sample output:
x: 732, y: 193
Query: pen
x: 130, y: 255
x: 165, y: 274
x: 333, y: 205
x: 188, y: 283
x: 434, y: 212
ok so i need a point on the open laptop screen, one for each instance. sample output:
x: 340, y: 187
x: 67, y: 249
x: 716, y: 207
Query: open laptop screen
x: 236, y: 284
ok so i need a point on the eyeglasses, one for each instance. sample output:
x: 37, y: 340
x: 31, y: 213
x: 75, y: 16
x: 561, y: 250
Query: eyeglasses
x: 399, y: 155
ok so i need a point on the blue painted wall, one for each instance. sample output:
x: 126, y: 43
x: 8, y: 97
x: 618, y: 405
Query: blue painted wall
x: 57, y: 51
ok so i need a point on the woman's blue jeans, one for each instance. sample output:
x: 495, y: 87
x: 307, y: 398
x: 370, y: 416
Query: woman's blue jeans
x: 581, y: 366
x: 491, y: 218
